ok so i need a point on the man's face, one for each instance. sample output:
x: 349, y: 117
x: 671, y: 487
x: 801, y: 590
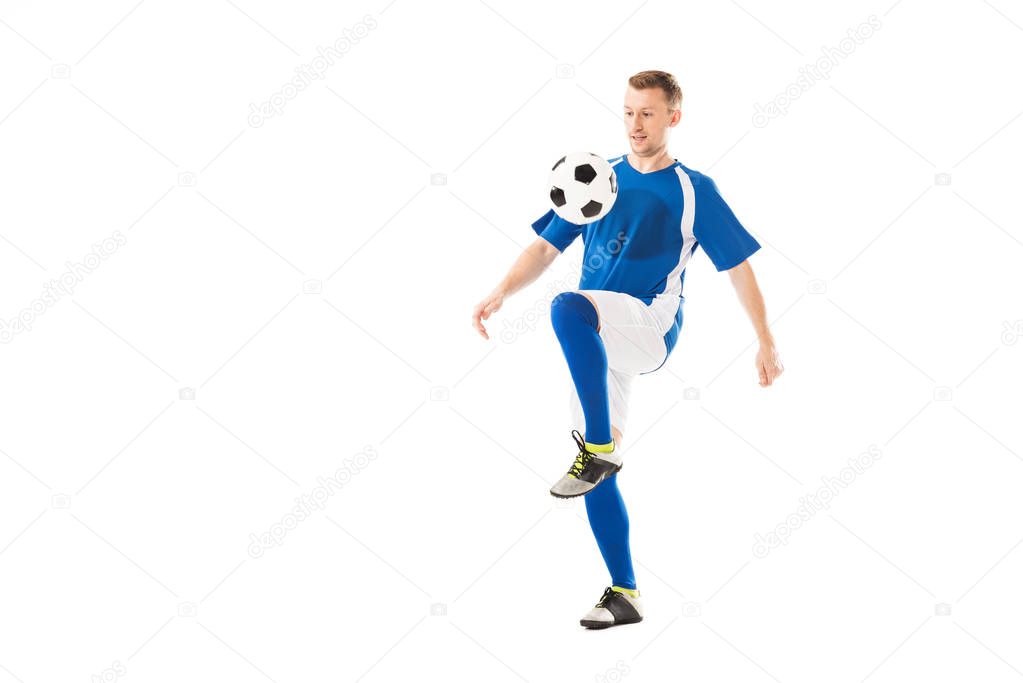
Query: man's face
x: 648, y: 119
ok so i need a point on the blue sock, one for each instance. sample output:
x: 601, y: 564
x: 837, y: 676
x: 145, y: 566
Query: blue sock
x: 610, y: 523
x: 575, y: 323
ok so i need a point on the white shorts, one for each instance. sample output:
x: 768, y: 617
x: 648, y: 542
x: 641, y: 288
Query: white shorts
x: 633, y: 337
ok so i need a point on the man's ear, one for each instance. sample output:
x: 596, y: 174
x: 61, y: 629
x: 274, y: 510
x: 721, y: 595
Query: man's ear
x: 676, y: 117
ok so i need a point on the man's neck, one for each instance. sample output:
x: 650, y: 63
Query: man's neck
x: 651, y: 163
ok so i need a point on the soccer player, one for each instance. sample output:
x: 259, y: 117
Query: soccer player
x: 625, y: 317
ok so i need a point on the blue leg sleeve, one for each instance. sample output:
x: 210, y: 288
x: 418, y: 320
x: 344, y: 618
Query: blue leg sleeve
x: 610, y: 523
x: 575, y: 323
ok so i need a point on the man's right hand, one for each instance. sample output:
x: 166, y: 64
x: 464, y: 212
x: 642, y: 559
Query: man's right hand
x: 533, y: 260
x: 490, y: 304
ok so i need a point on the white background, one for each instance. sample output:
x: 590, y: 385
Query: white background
x: 128, y: 507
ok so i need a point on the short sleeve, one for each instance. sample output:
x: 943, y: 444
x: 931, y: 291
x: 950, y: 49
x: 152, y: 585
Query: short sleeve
x: 717, y: 229
x: 557, y: 230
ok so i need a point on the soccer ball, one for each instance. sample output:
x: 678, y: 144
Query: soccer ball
x: 583, y: 187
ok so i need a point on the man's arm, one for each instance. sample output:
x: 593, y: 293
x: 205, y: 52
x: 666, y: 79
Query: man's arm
x: 768, y: 362
x: 533, y: 261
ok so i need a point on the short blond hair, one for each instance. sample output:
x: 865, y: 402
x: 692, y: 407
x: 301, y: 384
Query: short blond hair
x: 659, y: 79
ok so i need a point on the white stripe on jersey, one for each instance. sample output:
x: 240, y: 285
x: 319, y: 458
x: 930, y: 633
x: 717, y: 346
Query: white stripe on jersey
x: 667, y: 302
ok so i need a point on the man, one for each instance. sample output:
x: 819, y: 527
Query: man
x: 625, y: 317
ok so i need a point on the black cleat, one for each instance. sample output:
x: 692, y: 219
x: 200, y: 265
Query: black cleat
x: 613, y: 609
x: 588, y: 470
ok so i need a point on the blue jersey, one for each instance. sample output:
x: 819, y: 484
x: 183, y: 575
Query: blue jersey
x: 641, y: 247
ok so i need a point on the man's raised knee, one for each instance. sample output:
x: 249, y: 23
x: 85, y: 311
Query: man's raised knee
x: 572, y: 308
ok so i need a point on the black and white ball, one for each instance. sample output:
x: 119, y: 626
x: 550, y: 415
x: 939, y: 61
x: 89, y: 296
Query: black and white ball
x: 583, y: 187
